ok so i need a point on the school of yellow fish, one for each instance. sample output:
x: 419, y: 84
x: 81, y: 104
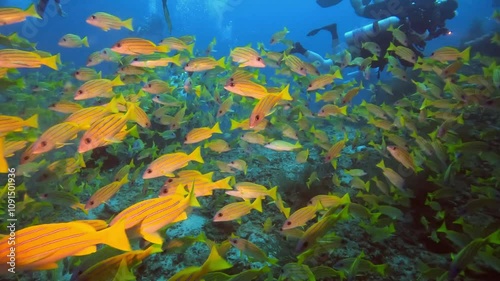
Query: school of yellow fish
x: 422, y: 167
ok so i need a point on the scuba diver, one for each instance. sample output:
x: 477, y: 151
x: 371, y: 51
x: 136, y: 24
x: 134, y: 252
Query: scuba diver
x: 42, y: 4
x: 166, y: 14
x: 420, y: 20
x: 153, y: 21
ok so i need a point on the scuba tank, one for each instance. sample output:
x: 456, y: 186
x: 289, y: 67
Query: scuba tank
x: 366, y: 33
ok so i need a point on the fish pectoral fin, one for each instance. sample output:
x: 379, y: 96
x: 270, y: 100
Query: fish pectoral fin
x: 181, y: 217
x: 153, y: 237
x: 112, y: 140
x: 59, y: 145
x: 86, y: 251
x: 45, y: 266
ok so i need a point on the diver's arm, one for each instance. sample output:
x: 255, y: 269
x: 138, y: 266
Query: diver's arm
x: 322, y: 64
x: 312, y: 56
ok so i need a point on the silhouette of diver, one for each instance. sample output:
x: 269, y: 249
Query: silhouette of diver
x: 42, y: 5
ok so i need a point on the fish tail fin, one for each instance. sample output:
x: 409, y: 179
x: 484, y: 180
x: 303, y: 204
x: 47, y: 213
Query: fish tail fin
x: 85, y: 41
x: 50, y: 61
x: 190, y: 48
x: 234, y: 125
x: 286, y: 212
x: 465, y: 55
x: 346, y: 199
x: 215, y: 262
x: 112, y: 106
x: 272, y: 192
x: 297, y: 145
x: 32, y: 121
x: 338, y: 74
x: 20, y: 83
x: 32, y: 11
x: 81, y: 206
x: 319, y: 97
x: 117, y: 81
x: 177, y: 59
x: 133, y: 132
x: 196, y: 155
x: 193, y: 202
x: 222, y: 62
x: 224, y: 183
x: 257, y: 204
x: 4, y: 167
x: 124, y: 180
x: 285, y: 94
x: 128, y: 24
x: 343, y: 110
x: 115, y: 236
x: 163, y: 49
x: 216, y: 128
x: 494, y: 238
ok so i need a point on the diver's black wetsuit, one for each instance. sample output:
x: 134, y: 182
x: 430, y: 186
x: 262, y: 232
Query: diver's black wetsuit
x: 40, y: 7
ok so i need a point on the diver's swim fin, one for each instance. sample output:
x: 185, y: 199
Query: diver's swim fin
x: 166, y: 13
x: 332, y: 28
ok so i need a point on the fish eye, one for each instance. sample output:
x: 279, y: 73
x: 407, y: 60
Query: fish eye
x: 105, y: 52
x: 135, y: 59
x: 64, y: 39
x: 288, y: 223
x: 77, y: 73
x: 93, y: 17
x: 220, y: 215
x: 43, y: 143
x: 45, y: 195
x: 91, y: 202
x: 310, y: 85
x: 232, y: 162
x: 149, y: 86
x: 393, y: 148
x: 170, y: 180
x: 149, y: 171
x: 26, y: 157
x: 185, y: 139
x: 257, y: 117
x: 231, y: 85
x: 259, y: 59
x: 187, y: 64
x: 220, y: 111
x: 118, y: 45
x: 87, y: 140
